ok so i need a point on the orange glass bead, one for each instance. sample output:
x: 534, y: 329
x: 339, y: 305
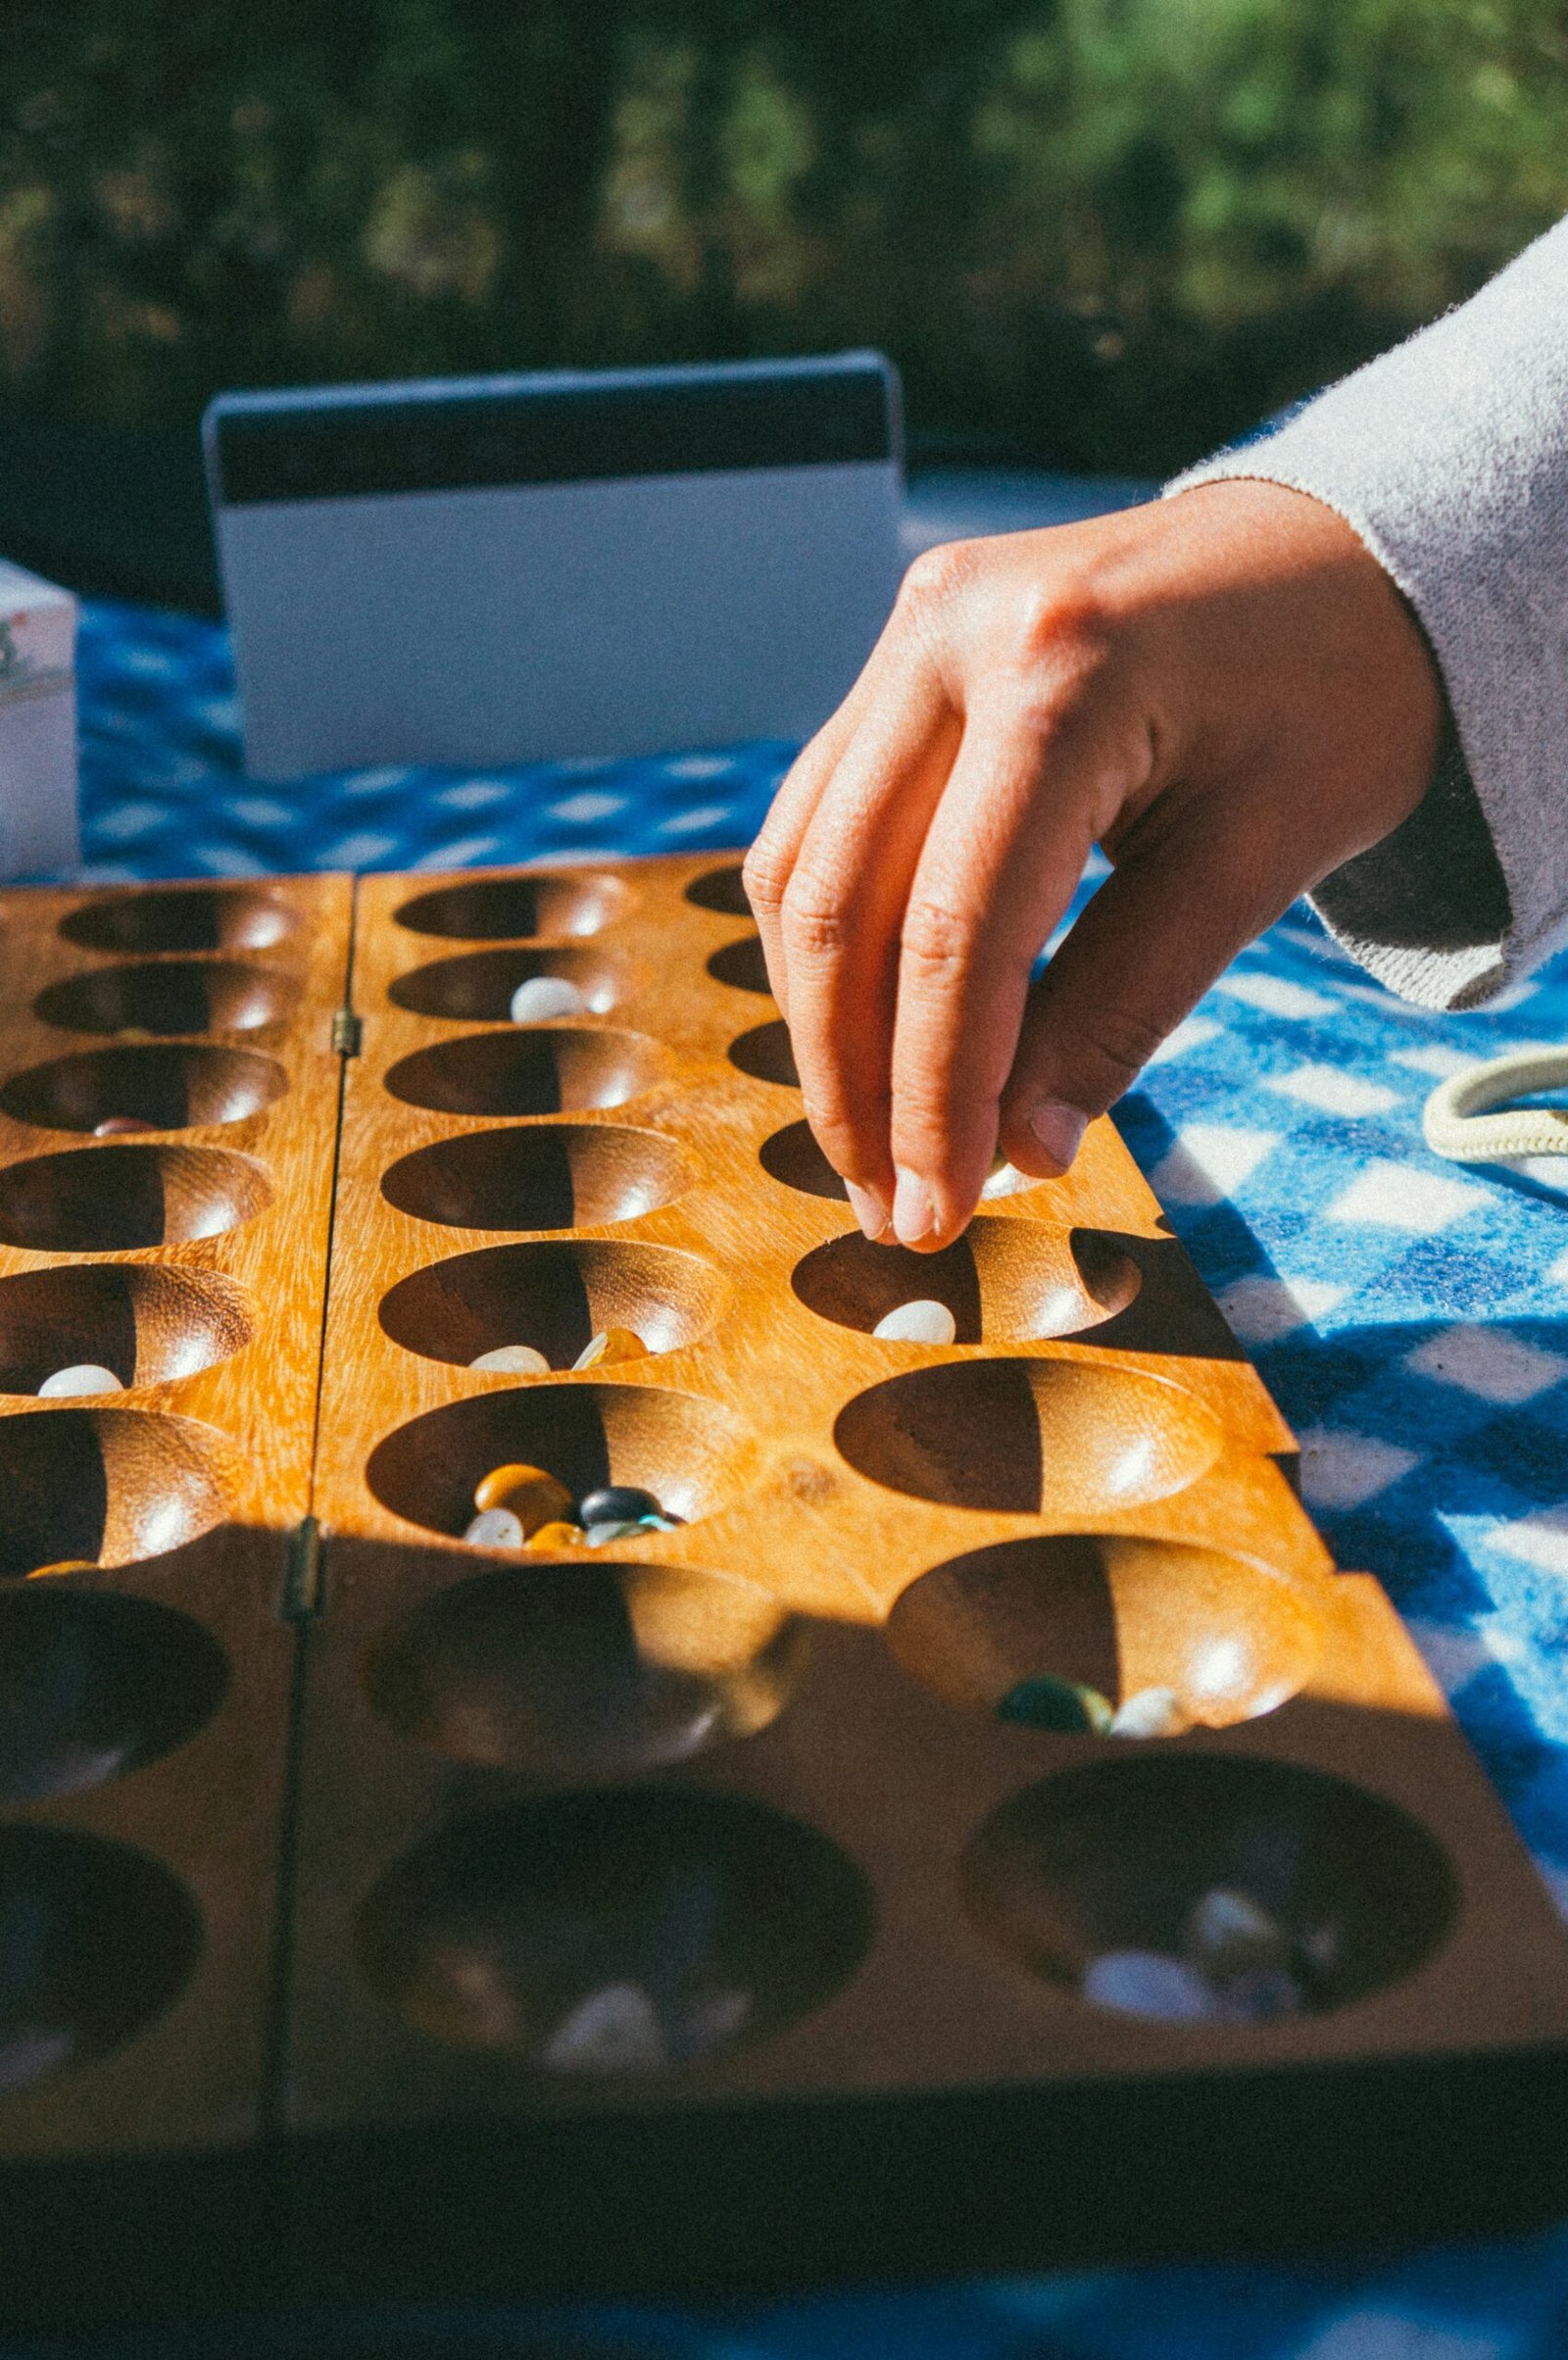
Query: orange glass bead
x: 533, y: 1496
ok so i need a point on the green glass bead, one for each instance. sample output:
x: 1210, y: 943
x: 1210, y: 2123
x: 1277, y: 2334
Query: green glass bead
x: 1060, y: 1705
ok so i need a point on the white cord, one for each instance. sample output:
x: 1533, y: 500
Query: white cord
x: 1457, y: 1125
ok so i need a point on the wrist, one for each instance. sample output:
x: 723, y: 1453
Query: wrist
x: 1300, y: 654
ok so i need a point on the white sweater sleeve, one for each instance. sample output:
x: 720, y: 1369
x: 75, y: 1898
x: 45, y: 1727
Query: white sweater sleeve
x: 1449, y: 456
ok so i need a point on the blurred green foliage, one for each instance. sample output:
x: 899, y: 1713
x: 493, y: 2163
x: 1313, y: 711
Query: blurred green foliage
x: 1110, y: 232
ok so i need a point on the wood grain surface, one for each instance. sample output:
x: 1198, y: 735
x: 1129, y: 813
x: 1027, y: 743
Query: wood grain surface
x: 425, y: 1804
x: 215, y: 1332
x: 840, y: 1475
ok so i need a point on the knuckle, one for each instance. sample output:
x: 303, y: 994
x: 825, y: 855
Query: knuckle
x: 1063, y: 618
x: 765, y: 875
x: 936, y: 940
x: 933, y: 580
x: 815, y: 923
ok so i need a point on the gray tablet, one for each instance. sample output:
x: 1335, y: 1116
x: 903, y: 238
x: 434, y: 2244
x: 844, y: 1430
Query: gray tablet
x: 499, y: 569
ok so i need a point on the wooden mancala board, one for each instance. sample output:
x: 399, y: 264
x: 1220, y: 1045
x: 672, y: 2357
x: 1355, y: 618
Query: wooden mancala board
x: 383, y: 1915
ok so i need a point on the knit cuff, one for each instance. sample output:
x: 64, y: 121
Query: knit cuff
x: 1427, y: 910
x: 1448, y: 458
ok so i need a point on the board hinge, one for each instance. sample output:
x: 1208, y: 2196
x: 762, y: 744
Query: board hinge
x: 348, y: 1033
x: 302, y: 1578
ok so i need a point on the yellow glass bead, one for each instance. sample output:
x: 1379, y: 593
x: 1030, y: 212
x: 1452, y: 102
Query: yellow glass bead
x: 557, y: 1535
x: 616, y: 1344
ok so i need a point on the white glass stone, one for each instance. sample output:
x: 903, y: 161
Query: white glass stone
x: 920, y: 1322
x: 513, y: 1360
x: 544, y: 997
x: 1228, y: 1934
x: 83, y: 1376
x: 1151, y: 1712
x: 495, y: 1527
x: 615, y: 2030
x: 1145, y: 1982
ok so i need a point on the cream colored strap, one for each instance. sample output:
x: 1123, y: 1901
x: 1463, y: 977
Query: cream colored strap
x: 1457, y: 1125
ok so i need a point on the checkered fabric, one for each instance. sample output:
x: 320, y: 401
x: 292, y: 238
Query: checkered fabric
x: 1410, y: 1317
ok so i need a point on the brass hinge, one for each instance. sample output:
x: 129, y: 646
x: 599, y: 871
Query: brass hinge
x: 302, y: 1578
x: 348, y: 1033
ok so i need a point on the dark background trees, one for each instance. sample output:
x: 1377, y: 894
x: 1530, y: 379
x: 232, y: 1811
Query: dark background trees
x: 1099, y: 232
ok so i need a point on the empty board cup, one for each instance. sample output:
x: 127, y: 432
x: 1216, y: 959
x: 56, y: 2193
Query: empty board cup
x: 170, y: 996
x: 94, y: 1684
x: 112, y: 1200
x: 589, y: 1669
x: 545, y: 905
x: 202, y: 917
x: 561, y: 1070
x: 96, y: 1941
x: 1029, y: 1436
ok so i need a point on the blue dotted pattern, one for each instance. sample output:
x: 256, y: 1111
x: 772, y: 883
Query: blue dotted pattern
x: 163, y: 792
x: 1408, y: 1315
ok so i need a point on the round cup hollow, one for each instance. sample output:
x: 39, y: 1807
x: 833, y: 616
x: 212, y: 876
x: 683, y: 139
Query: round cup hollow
x: 721, y: 889
x: 550, y: 1176
x: 169, y: 1087
x: 618, y: 1934
x: 1113, y: 1855
x: 1229, y: 1638
x: 516, y: 908
x: 106, y: 1487
x: 1033, y: 1438
x: 170, y: 996
x: 741, y: 966
x: 595, y: 1669
x: 1004, y: 1281
x: 477, y: 989
x: 93, y: 1684
x: 147, y: 1324
x: 113, y: 1199
x: 766, y: 1053
x: 96, y: 1943
x: 688, y: 1452
x: 559, y: 1070
x: 792, y: 1157
x: 555, y: 1297
x: 174, y: 917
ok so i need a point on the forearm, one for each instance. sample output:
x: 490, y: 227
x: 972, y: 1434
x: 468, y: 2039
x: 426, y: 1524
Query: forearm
x: 1449, y: 456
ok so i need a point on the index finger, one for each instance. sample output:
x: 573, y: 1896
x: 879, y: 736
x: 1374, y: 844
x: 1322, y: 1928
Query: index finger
x: 1029, y: 794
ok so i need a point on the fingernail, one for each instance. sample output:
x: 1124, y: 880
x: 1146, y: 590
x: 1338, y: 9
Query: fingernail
x: 1060, y: 1129
x: 869, y: 1209
x: 915, y: 1217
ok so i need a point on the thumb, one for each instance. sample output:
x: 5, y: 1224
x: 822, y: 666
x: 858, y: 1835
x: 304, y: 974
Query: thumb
x: 1147, y: 947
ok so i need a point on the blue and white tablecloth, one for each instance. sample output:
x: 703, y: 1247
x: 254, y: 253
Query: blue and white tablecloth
x: 1410, y: 1317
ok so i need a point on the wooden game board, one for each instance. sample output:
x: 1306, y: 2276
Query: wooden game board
x: 316, y: 1824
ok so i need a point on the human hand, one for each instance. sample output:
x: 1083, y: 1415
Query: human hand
x: 1224, y: 690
